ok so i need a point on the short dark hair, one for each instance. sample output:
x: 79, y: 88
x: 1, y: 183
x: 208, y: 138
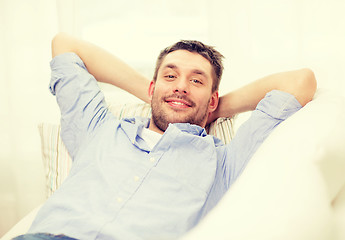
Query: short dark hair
x: 208, y: 52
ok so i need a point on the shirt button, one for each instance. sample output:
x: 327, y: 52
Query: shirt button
x: 136, y: 178
x: 119, y: 200
x: 152, y: 159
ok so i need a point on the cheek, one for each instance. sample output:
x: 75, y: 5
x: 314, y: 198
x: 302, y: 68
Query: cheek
x: 204, y: 97
x: 161, y: 89
x: 157, y: 94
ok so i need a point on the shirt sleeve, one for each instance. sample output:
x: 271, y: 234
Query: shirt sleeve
x: 79, y: 98
x: 269, y: 113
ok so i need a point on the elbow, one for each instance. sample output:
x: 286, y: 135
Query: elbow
x: 309, y: 79
x: 61, y: 43
x: 306, y: 85
x: 55, y: 44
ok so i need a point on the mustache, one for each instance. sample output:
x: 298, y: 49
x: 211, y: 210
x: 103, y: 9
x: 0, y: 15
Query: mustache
x: 180, y: 96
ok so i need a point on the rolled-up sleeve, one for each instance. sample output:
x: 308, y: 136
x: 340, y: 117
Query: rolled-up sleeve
x: 79, y: 98
x: 269, y: 113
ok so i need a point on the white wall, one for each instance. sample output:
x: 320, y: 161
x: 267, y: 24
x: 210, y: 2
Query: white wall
x: 257, y: 38
x: 26, y: 28
x: 262, y: 37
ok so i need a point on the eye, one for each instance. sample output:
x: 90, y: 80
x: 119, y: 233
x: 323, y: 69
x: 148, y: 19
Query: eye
x: 170, y: 77
x: 196, y: 81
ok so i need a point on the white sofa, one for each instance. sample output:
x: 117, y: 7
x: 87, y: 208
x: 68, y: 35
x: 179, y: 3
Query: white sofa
x: 293, y: 188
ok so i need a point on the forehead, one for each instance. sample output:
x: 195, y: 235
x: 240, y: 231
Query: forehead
x: 189, y: 61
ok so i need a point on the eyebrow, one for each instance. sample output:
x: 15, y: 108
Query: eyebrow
x: 171, y: 66
x: 195, y: 71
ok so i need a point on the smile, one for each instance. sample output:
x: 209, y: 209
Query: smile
x: 178, y: 103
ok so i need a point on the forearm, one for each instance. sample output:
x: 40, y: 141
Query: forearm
x: 300, y: 83
x: 104, y: 66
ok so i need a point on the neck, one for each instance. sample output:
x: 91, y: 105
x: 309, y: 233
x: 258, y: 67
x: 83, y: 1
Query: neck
x: 154, y: 128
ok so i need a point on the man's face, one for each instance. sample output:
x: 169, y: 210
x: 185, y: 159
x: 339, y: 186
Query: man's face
x: 182, y: 92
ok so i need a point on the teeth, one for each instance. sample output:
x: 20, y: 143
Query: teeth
x: 178, y: 103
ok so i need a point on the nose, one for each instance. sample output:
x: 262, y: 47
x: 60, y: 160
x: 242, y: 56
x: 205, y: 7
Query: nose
x: 181, y: 86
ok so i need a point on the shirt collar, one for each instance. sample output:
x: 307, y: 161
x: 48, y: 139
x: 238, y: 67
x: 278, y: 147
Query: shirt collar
x: 141, y: 122
x: 133, y: 127
x: 191, y: 128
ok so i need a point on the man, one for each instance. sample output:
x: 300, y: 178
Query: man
x: 153, y: 178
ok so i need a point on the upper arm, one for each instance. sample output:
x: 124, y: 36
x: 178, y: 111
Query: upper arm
x: 276, y: 107
x: 103, y: 65
x: 300, y: 83
x: 80, y: 100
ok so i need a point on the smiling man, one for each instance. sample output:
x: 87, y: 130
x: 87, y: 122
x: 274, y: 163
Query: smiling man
x: 182, y: 88
x: 153, y: 178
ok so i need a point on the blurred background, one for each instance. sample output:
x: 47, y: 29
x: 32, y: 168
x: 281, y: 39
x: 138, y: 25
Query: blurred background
x: 256, y: 37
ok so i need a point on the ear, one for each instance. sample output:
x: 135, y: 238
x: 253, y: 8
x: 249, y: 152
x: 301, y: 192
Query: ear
x: 213, y: 102
x: 151, y: 90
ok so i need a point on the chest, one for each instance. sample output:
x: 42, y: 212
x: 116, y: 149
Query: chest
x: 177, y: 158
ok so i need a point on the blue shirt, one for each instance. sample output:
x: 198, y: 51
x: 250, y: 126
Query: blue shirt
x: 118, y: 188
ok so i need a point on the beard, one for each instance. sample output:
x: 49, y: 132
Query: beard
x: 162, y: 118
